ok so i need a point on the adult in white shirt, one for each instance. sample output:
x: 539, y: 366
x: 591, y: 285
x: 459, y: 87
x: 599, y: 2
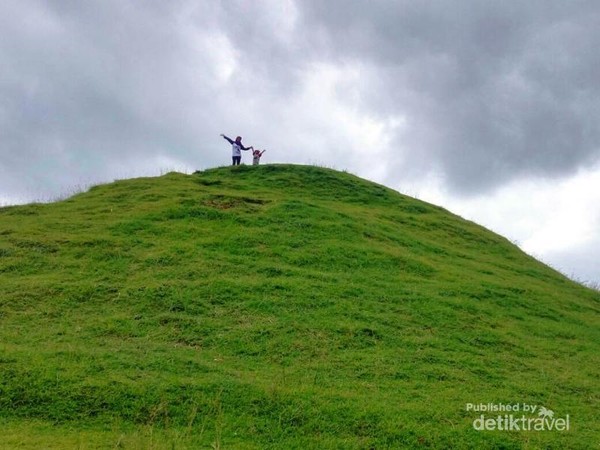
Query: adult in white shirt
x: 236, y: 149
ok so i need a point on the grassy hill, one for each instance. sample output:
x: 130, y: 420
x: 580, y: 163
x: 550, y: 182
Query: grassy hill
x: 280, y: 307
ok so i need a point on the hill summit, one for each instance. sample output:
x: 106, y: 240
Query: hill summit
x: 283, y: 306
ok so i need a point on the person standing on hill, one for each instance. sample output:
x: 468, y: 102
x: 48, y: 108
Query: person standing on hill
x: 236, y: 149
x: 256, y: 154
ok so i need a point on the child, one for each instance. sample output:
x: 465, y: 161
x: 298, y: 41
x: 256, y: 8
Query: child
x: 256, y: 154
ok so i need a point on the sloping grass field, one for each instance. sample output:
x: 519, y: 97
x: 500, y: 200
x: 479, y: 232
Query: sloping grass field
x: 280, y: 307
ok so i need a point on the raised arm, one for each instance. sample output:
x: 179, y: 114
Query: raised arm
x: 231, y: 141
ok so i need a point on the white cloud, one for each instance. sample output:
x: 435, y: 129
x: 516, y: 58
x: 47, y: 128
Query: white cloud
x: 556, y: 221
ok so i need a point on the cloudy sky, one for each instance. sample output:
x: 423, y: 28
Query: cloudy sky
x: 488, y: 108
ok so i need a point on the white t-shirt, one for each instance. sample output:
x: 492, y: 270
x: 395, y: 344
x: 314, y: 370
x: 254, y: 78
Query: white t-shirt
x: 236, y: 150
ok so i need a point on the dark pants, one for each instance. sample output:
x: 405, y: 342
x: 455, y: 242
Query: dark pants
x: 236, y: 160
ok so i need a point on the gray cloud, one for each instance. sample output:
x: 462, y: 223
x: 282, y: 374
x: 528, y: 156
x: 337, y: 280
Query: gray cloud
x: 91, y: 86
x: 489, y: 91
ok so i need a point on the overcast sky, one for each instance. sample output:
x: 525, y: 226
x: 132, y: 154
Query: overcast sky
x: 488, y: 108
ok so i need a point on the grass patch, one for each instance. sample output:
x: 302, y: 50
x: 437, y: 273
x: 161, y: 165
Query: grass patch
x: 279, y: 306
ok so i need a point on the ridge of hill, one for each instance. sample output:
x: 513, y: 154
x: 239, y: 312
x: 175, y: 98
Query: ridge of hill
x: 281, y: 306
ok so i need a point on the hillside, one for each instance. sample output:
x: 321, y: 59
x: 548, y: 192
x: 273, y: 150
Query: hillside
x: 280, y: 307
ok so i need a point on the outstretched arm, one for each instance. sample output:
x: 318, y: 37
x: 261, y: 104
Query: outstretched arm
x: 227, y: 139
x: 261, y: 153
x: 246, y: 148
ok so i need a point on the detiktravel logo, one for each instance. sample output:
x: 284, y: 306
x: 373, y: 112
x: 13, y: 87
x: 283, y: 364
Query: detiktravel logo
x: 516, y: 417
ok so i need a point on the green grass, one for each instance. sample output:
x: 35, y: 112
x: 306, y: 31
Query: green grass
x: 280, y: 307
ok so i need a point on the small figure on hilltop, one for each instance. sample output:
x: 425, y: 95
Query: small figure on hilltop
x: 236, y: 147
x: 256, y: 154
